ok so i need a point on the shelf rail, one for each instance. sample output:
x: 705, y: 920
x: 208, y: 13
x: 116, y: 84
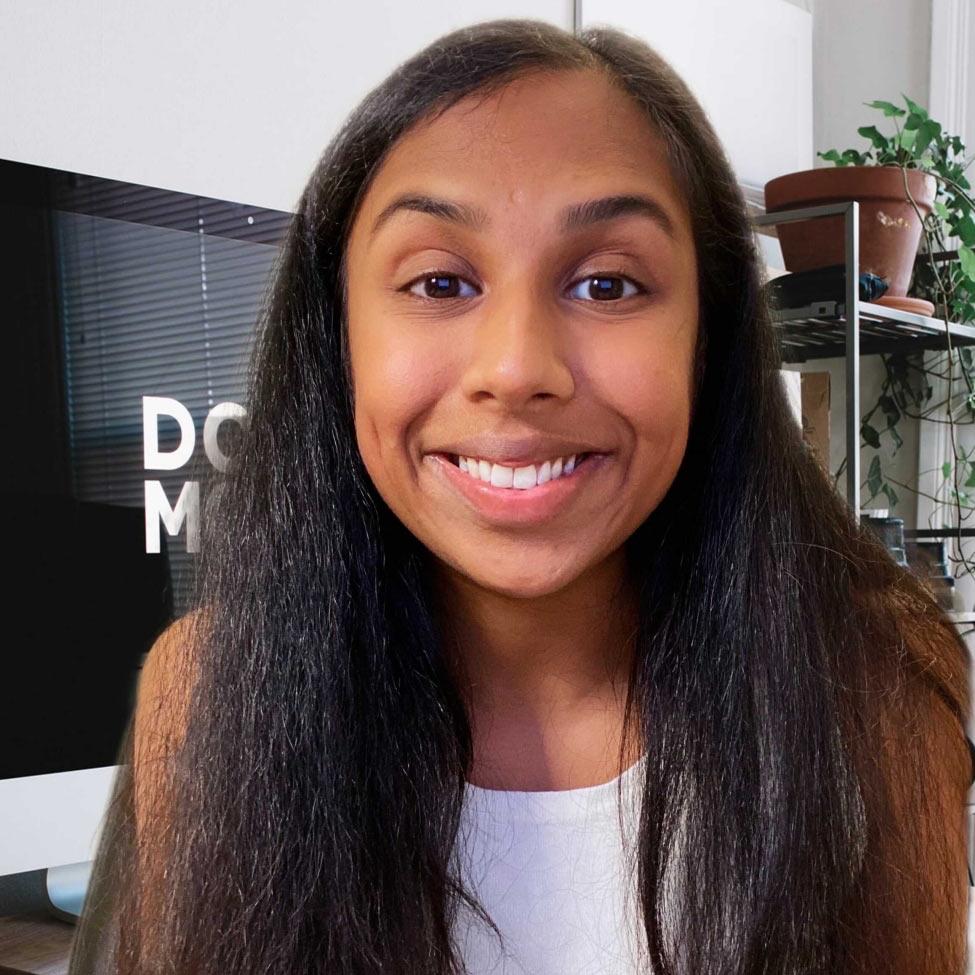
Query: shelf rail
x: 850, y: 211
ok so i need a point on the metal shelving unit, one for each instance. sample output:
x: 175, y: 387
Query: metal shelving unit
x: 851, y: 328
x: 824, y: 330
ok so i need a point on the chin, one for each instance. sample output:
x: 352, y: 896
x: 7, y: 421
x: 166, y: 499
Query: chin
x: 524, y: 581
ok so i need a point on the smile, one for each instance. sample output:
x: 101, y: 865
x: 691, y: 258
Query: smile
x: 507, y: 503
x: 519, y: 478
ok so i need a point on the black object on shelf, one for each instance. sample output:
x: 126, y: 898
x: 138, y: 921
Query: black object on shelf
x: 802, y: 288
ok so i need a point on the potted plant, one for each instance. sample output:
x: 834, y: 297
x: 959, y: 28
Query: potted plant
x: 895, y: 199
x: 922, y: 146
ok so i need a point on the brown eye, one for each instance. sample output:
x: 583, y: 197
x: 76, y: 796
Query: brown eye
x: 436, y: 285
x: 608, y: 287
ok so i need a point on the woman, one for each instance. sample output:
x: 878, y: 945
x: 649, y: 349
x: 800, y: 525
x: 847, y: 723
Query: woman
x: 525, y: 256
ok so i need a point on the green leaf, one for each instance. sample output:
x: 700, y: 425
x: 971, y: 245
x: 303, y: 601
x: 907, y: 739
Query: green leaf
x: 946, y: 469
x: 874, y: 477
x: 888, y: 109
x: 870, y: 435
x: 928, y: 130
x: 831, y: 155
x: 892, y: 495
x: 966, y: 258
x: 870, y: 132
x: 890, y: 408
x: 914, y: 107
x: 970, y: 481
x: 965, y: 229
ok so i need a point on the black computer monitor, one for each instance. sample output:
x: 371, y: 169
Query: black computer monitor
x: 128, y: 318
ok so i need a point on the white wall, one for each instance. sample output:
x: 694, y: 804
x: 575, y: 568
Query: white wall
x: 861, y: 51
x: 953, y: 105
x: 969, y: 126
x: 227, y: 98
x: 234, y: 99
x: 749, y: 64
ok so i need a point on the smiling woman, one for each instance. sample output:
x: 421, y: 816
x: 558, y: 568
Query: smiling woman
x: 528, y: 358
x: 529, y: 619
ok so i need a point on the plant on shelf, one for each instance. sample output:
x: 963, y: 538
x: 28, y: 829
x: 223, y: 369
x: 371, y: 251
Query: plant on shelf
x: 922, y: 144
x: 944, y: 277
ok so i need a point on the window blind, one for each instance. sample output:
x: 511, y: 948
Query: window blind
x: 160, y: 295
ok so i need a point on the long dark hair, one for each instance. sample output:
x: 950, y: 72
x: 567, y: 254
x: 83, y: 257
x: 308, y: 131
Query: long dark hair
x: 801, y: 699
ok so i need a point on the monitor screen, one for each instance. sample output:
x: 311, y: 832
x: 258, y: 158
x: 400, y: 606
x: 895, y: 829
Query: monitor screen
x: 130, y: 313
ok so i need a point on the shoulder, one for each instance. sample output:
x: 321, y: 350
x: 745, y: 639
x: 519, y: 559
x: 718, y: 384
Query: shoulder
x: 164, y: 686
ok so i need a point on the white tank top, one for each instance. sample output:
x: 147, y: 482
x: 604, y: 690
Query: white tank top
x: 551, y: 869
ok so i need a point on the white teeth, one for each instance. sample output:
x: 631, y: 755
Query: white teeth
x: 524, y: 477
x: 520, y: 478
x: 501, y: 476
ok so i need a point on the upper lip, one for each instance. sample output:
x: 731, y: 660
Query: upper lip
x: 517, y: 450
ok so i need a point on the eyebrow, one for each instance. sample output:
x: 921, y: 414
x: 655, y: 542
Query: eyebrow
x: 573, y: 217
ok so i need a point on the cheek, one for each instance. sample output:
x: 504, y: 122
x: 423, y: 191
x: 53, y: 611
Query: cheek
x: 395, y: 383
x: 650, y: 386
x: 657, y: 403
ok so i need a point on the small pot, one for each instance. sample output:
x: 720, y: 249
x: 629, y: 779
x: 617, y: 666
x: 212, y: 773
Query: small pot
x: 890, y: 231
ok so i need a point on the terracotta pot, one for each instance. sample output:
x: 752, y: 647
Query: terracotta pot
x: 890, y: 231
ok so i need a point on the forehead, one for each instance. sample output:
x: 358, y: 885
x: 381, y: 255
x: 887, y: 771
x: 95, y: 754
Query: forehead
x: 519, y: 154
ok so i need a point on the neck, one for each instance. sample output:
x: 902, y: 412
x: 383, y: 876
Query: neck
x: 544, y: 679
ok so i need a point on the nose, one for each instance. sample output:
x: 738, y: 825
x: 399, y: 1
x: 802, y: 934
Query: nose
x: 519, y: 352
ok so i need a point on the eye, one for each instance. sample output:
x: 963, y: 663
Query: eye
x: 441, y: 285
x: 436, y: 285
x: 604, y: 287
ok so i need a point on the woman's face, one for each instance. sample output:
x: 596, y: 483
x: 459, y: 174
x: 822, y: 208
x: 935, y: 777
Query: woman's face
x: 522, y: 286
